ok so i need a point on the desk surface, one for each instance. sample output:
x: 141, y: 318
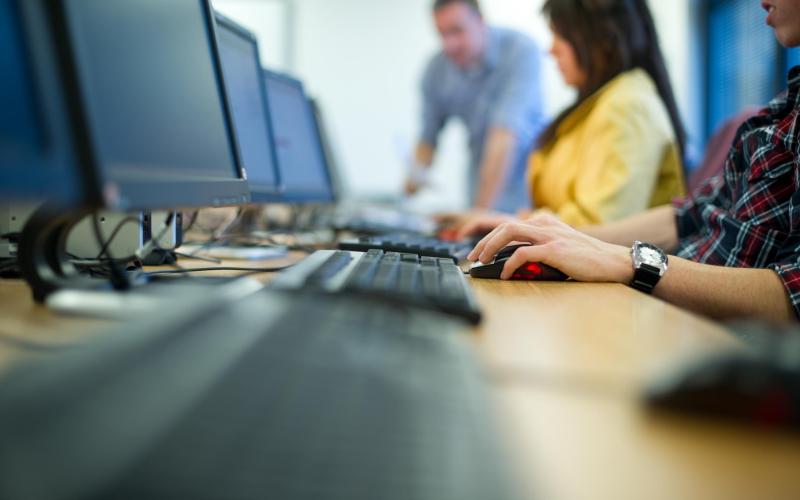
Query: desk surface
x: 566, y: 362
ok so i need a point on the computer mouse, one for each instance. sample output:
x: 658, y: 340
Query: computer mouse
x: 760, y: 387
x: 532, y: 271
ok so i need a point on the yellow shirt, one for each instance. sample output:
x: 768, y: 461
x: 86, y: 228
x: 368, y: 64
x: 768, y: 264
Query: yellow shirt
x: 614, y: 156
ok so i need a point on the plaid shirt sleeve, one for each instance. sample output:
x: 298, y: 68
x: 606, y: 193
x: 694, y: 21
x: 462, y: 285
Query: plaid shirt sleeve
x: 789, y: 273
x: 787, y: 263
x: 689, y: 210
x: 714, y: 192
x: 749, y: 215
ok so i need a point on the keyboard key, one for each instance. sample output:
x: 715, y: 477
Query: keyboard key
x: 330, y: 268
x: 409, y: 243
x: 426, y: 282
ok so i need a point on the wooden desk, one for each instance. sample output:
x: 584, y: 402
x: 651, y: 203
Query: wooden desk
x: 28, y: 329
x: 597, y: 334
x: 566, y: 362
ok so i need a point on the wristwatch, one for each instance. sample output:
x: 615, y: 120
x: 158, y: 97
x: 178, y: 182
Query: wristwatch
x: 650, y: 263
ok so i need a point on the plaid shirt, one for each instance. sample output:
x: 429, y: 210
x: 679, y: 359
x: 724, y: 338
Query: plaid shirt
x: 749, y: 216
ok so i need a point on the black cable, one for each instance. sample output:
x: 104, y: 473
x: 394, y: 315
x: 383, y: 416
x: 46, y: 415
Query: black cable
x: 8, y: 266
x: 104, y: 246
x: 80, y: 261
x: 9, y: 236
x: 156, y: 243
x: 155, y: 240
x: 197, y: 257
x: 118, y: 277
x: 221, y: 231
x: 195, y: 216
x: 194, y: 224
x: 246, y: 270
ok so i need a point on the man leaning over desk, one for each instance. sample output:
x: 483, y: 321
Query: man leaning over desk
x: 489, y: 78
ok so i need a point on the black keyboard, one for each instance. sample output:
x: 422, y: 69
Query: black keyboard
x: 424, y: 282
x: 275, y: 395
x: 424, y: 246
x: 377, y: 220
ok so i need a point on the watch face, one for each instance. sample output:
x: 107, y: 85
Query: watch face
x: 645, y: 254
x: 651, y: 256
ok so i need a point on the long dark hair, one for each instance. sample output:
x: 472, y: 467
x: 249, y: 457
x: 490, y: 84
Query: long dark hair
x: 610, y: 37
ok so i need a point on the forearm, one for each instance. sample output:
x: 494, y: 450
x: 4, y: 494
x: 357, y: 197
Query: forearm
x: 725, y: 293
x: 719, y: 292
x: 656, y: 226
x: 497, y: 158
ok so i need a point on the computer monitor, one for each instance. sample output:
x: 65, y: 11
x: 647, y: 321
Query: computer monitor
x: 156, y: 118
x: 328, y: 150
x: 37, y: 154
x: 304, y: 174
x: 239, y: 51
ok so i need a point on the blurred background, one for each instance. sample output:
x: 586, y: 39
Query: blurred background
x: 363, y: 60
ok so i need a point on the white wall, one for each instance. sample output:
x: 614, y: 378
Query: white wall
x: 363, y: 60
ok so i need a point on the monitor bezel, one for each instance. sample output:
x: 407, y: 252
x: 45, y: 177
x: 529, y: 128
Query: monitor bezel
x: 142, y: 195
x: 259, y: 192
x: 57, y: 174
x: 328, y: 154
x: 298, y: 196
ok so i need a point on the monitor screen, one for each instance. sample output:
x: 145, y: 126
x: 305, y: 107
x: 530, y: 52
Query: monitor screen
x: 242, y: 71
x: 328, y: 151
x: 156, y: 112
x: 303, y: 170
x: 37, y: 158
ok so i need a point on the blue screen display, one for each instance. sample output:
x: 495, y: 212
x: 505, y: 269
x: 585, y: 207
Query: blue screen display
x: 37, y: 153
x: 242, y: 71
x: 20, y: 131
x: 303, y: 170
x: 154, y: 99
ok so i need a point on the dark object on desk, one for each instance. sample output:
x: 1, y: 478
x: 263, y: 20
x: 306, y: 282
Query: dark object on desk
x: 272, y: 395
x: 379, y: 220
x: 759, y: 385
x: 424, y: 246
x: 9, y: 269
x: 160, y: 257
x: 532, y: 271
x: 422, y: 282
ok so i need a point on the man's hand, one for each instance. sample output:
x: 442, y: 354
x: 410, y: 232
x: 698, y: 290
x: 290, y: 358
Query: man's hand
x: 556, y: 244
x: 410, y: 188
x: 419, y: 169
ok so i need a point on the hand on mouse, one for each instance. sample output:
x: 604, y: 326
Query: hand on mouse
x: 460, y: 225
x: 560, y: 246
x: 480, y: 223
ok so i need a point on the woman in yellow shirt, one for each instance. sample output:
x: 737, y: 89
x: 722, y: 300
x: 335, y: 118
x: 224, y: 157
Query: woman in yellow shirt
x: 618, y: 150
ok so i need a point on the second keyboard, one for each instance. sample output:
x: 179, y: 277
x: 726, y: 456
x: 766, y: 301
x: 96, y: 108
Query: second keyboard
x: 426, y: 282
x: 424, y: 246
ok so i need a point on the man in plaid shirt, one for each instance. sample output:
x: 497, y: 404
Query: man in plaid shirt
x: 735, y: 242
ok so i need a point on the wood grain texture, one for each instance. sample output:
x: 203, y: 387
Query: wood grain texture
x: 566, y: 363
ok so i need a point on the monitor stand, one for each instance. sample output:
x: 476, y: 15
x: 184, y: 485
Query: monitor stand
x: 243, y: 239
x: 250, y: 220
x: 42, y: 254
x: 47, y: 268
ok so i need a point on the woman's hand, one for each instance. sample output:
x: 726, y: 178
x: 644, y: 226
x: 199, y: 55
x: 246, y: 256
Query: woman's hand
x: 558, y: 245
x: 473, y: 223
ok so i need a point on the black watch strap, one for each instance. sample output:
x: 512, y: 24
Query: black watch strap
x: 646, y: 278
